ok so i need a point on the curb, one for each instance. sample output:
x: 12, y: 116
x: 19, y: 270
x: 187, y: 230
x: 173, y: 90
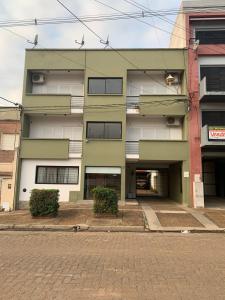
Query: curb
x: 70, y: 228
x: 188, y: 231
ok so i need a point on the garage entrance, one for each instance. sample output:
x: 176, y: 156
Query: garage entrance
x: 149, y: 180
x: 151, y: 183
x: 214, y: 182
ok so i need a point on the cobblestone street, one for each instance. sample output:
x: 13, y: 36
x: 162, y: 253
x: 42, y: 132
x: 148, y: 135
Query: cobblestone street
x: 111, y: 266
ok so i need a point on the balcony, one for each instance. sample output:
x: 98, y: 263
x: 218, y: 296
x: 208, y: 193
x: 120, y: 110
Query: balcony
x: 211, y: 93
x: 212, y: 136
x: 75, y: 149
x: 170, y: 105
x: 44, y: 149
x: 132, y: 150
x: 53, y: 104
x: 157, y: 150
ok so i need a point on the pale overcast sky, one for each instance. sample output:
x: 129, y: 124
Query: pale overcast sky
x: 122, y: 33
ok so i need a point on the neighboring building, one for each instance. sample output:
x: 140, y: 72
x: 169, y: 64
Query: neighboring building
x: 201, y: 28
x: 103, y: 117
x: 9, y: 131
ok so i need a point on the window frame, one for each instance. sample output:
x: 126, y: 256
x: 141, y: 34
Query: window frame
x: 103, y: 138
x: 57, y: 167
x: 105, y: 78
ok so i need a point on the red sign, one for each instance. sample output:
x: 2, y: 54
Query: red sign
x: 216, y: 133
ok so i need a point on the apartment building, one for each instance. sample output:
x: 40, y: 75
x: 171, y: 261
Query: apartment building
x: 201, y: 28
x: 102, y: 117
x: 9, y: 142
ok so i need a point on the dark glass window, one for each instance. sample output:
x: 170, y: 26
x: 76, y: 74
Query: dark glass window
x: 112, y: 181
x: 104, y: 130
x: 215, y: 78
x: 213, y: 118
x: 105, y: 85
x: 57, y: 175
x: 211, y: 37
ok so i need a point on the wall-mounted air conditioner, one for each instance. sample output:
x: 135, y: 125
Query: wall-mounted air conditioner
x: 172, y: 121
x: 38, y: 78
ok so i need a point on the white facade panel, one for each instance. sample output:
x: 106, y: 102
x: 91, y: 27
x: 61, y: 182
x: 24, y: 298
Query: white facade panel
x: 103, y: 170
x: 211, y: 60
x: 61, y: 82
x: 154, y: 128
x: 28, y: 175
x: 149, y: 83
x: 56, y: 127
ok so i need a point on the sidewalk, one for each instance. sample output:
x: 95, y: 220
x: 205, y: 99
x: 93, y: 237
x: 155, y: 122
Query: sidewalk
x: 167, y: 216
x: 76, y: 217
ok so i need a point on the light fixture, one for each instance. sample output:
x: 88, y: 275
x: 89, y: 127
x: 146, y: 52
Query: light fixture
x: 170, y: 79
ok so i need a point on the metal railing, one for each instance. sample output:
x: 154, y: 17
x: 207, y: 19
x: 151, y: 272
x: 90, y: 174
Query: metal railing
x: 75, y: 147
x: 132, y: 147
x: 132, y: 102
x: 77, y: 102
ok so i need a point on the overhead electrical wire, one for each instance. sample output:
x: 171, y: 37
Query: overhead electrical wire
x: 141, y: 6
x: 105, y: 17
x: 102, y: 40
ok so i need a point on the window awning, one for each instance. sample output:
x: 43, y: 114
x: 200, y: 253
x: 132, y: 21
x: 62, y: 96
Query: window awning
x: 103, y: 170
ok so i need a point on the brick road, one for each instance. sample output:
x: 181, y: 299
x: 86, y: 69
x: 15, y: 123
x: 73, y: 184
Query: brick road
x: 111, y: 266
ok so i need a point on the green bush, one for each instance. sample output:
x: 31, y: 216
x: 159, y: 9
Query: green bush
x: 44, y: 202
x: 105, y: 200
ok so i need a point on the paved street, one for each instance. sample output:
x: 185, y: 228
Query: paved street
x: 111, y: 266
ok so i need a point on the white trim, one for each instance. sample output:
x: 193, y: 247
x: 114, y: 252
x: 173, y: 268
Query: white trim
x: 103, y: 170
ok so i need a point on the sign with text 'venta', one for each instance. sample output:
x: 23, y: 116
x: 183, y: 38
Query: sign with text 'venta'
x: 217, y: 133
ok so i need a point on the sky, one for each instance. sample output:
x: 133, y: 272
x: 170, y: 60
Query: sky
x: 122, y: 33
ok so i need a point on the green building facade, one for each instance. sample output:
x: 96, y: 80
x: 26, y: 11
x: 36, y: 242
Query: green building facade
x: 103, y: 117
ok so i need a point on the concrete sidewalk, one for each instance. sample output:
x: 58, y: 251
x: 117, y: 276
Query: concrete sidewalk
x: 167, y: 216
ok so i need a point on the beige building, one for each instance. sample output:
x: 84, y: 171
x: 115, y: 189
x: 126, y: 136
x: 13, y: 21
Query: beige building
x: 9, y: 142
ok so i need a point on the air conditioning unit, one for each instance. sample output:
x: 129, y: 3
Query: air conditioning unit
x: 38, y: 78
x: 172, y: 121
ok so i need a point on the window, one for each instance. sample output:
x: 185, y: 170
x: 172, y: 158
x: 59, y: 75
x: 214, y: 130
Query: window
x: 9, y: 141
x: 211, y: 37
x: 104, y: 130
x: 215, y: 78
x: 105, y: 86
x: 57, y: 175
x: 213, y: 118
x: 109, y: 177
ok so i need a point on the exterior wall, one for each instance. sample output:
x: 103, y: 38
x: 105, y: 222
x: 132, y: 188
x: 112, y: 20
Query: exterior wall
x: 101, y: 63
x: 152, y: 128
x: 178, y: 35
x: 28, y: 173
x: 152, y: 84
x: 44, y: 149
x: 202, y: 52
x: 9, y: 143
x: 56, y: 127
x: 61, y: 82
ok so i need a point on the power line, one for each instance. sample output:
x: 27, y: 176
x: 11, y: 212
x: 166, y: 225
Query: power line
x: 10, y: 101
x: 101, y: 39
x: 141, y: 6
x: 105, y: 17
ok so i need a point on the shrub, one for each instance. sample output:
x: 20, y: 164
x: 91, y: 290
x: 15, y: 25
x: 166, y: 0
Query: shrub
x: 105, y: 200
x: 44, y: 202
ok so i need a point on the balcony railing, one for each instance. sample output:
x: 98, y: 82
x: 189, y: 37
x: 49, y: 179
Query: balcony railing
x: 207, y: 92
x: 77, y: 104
x: 132, y: 148
x: 132, y: 104
x: 75, y: 148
